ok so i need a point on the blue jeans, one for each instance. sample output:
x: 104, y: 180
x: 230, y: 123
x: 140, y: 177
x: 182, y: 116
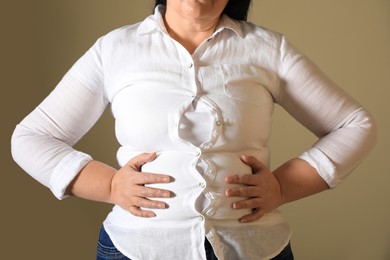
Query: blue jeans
x: 107, y: 251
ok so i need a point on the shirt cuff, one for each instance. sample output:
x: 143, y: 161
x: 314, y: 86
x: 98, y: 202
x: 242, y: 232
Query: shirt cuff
x: 66, y: 171
x: 324, y: 166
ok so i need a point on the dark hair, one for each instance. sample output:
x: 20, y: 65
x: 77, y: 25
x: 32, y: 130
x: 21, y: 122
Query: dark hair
x: 235, y: 9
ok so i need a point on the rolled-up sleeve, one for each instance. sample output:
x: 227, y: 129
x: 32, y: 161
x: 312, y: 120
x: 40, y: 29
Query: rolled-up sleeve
x: 42, y: 144
x: 345, y: 129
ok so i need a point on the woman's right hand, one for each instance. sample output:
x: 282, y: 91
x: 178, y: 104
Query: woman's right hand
x: 128, y: 188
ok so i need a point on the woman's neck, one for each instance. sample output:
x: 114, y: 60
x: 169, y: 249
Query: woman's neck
x: 189, y: 32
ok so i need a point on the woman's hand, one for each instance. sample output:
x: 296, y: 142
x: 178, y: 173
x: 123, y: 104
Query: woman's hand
x: 262, y: 188
x: 128, y: 187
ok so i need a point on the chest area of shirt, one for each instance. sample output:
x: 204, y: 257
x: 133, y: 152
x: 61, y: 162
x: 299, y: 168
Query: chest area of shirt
x: 237, y: 83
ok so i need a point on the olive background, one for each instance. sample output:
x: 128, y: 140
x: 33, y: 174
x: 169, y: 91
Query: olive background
x: 349, y: 40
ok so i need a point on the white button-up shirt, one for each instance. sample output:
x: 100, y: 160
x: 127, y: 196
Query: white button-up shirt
x: 199, y: 112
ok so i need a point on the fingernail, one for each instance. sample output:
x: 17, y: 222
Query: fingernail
x: 161, y: 206
x: 231, y: 178
x: 152, y: 154
x: 244, y: 220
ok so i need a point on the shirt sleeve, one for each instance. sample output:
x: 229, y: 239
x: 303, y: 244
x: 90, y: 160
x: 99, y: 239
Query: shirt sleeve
x: 345, y: 129
x: 42, y: 142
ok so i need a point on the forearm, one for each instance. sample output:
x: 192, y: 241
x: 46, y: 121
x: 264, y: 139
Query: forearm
x: 93, y: 182
x: 298, y: 179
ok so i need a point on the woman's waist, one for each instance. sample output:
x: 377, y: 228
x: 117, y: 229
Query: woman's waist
x: 223, y: 157
x: 198, y: 182
x: 195, y: 170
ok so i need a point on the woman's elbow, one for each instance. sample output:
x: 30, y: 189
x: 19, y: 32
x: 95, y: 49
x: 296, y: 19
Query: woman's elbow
x: 16, y: 144
x: 369, y: 124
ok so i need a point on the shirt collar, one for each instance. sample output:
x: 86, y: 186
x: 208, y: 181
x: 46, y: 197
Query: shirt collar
x: 155, y: 23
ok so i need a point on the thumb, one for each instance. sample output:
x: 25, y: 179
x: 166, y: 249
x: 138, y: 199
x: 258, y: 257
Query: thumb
x: 252, y: 162
x: 139, y: 160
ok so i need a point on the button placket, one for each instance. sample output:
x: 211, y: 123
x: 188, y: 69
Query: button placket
x: 198, y: 152
x: 215, y: 201
x: 218, y: 123
x: 202, y: 185
x: 210, y: 171
x: 188, y: 70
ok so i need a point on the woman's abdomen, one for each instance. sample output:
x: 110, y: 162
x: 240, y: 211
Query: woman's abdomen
x: 198, y: 183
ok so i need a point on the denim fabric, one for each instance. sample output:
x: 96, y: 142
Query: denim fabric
x: 107, y: 251
x: 209, y: 251
x: 286, y: 254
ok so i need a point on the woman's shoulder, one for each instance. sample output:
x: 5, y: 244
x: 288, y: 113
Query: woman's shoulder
x: 121, y: 33
x: 127, y: 33
x: 254, y: 31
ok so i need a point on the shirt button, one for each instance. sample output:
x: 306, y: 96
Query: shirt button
x: 201, y: 218
x: 190, y: 65
x: 202, y: 185
x: 198, y: 153
x: 219, y: 123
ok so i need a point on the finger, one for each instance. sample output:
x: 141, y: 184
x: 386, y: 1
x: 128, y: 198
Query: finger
x: 147, y: 192
x: 151, y: 204
x: 257, y: 214
x: 139, y: 160
x: 255, y: 164
x: 138, y: 212
x: 247, y: 191
x: 150, y: 178
x: 247, y: 204
x: 246, y: 179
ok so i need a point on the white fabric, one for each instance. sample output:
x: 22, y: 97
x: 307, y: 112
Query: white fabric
x: 199, y: 112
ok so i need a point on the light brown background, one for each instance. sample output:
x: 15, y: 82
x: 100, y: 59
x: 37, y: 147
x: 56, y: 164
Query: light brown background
x: 349, y: 40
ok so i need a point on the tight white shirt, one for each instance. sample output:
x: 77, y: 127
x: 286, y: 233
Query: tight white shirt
x: 199, y: 112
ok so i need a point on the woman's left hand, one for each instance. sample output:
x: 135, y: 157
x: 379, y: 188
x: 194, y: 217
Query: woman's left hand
x: 262, y: 188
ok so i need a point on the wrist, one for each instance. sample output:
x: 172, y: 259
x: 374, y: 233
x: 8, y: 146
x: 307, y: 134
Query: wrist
x: 297, y: 180
x: 93, y: 182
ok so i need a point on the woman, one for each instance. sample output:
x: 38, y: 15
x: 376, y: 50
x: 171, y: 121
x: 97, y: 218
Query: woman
x: 192, y: 90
